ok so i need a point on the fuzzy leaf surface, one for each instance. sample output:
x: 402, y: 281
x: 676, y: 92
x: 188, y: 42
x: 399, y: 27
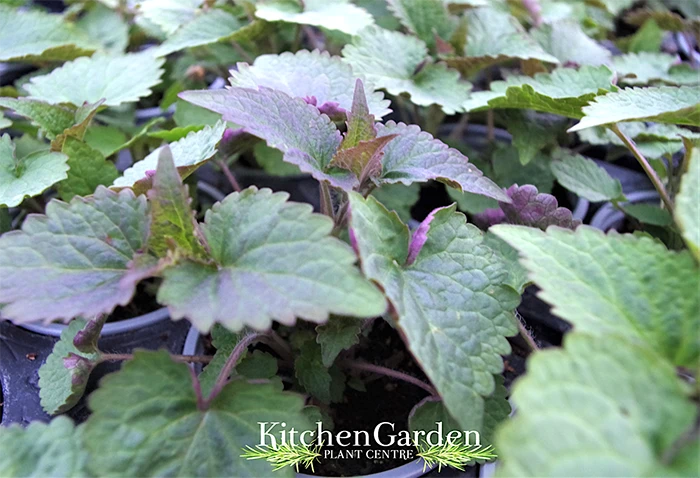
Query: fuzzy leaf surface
x: 88, y: 170
x: 53, y: 119
x: 304, y: 74
x: 339, y: 15
x: 305, y: 136
x: 42, y: 449
x: 188, y: 154
x: 588, y: 278
x: 446, y: 286
x: 399, y: 64
x: 338, y: 334
x: 663, y: 104
x: 116, y: 79
x: 570, y: 45
x: 275, y: 260
x: 29, y: 176
x: 584, y: 177
x: 79, y: 259
x: 629, y: 408
x: 64, y: 375
x: 424, y: 18
x: 688, y: 204
x: 415, y: 156
x: 34, y: 36
x: 151, y: 401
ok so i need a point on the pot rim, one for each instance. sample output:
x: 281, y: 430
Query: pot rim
x: 112, y: 328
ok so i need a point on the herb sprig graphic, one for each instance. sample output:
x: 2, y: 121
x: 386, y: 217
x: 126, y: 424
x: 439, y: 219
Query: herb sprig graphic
x: 280, y: 456
x: 454, y: 455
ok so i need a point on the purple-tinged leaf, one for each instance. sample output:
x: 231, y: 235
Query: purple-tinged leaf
x: 360, y: 122
x: 364, y: 159
x: 419, y: 236
x: 415, y: 156
x: 528, y: 207
x: 86, y: 339
x: 82, y: 258
x: 306, y: 137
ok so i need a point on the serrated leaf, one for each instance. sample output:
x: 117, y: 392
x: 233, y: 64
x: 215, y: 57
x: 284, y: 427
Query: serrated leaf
x: 306, y: 74
x: 258, y: 366
x: 338, y: 334
x: 41, y: 449
x: 446, y: 285
x: 564, y: 92
x: 400, y: 64
x: 612, y: 426
x: 29, y: 176
x: 211, y: 26
x: 64, y: 375
x: 424, y: 18
x: 431, y: 411
x: 274, y: 260
x: 588, y: 276
x: 224, y: 341
x: 663, y: 104
x: 188, y: 153
x: 339, y: 15
x: 169, y: 14
x: 83, y: 117
x: 688, y: 204
x: 151, y: 401
x: 585, y: 178
x: 173, y: 226
x: 415, y: 156
x: 116, y: 79
x: 307, y: 138
x: 34, y: 36
x: 312, y: 373
x: 530, y: 136
x: 398, y: 198
x: 88, y: 170
x: 53, y: 119
x: 570, y: 45
x: 107, y: 27
x: 81, y: 259
x: 493, y: 37
x: 645, y: 67
x: 517, y: 274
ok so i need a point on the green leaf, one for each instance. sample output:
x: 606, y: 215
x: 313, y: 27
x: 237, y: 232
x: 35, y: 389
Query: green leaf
x: 424, y: 18
x: 64, y: 375
x: 445, y: 286
x: 105, y: 139
x: 33, y: 36
x: 258, y: 366
x: 173, y: 226
x: 644, y: 68
x: 530, y: 135
x: 570, y: 45
x: 648, y: 38
x: 563, y: 92
x: 415, y: 156
x: 663, y: 104
x: 585, y: 178
x: 51, y: 118
x: 224, y: 341
x: 88, y: 170
x: 688, y: 204
x: 649, y: 214
x: 107, y: 27
x: 588, y: 277
x: 307, y: 138
x: 339, y: 15
x: 188, y: 153
x: 5, y: 123
x: 41, y: 449
x: 186, y: 114
x: 517, y: 275
x: 338, y: 334
x: 29, y: 176
x: 400, y: 64
x: 176, y: 134
x: 312, y: 373
x: 169, y: 14
x: 304, y: 74
x: 493, y: 37
x: 83, y: 117
x: 601, y: 406
x: 399, y: 198
x: 116, y: 79
x: 211, y: 26
x: 274, y: 261
x: 81, y: 259
x: 272, y: 162
x: 151, y: 401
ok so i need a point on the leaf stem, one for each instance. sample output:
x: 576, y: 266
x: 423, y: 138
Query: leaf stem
x: 177, y: 358
x: 368, y: 367
x: 326, y: 201
x: 529, y: 339
x: 229, y: 175
x: 230, y: 364
x: 655, y: 179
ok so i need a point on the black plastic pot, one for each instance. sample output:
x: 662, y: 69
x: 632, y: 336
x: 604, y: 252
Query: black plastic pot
x: 609, y: 217
x: 23, y: 349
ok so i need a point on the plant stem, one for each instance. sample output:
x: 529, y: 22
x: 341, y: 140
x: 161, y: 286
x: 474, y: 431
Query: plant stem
x: 197, y: 386
x: 326, y: 201
x: 230, y: 364
x: 241, y: 51
x: 526, y: 333
x: 177, y: 358
x: 655, y: 179
x: 229, y: 175
x: 368, y: 367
